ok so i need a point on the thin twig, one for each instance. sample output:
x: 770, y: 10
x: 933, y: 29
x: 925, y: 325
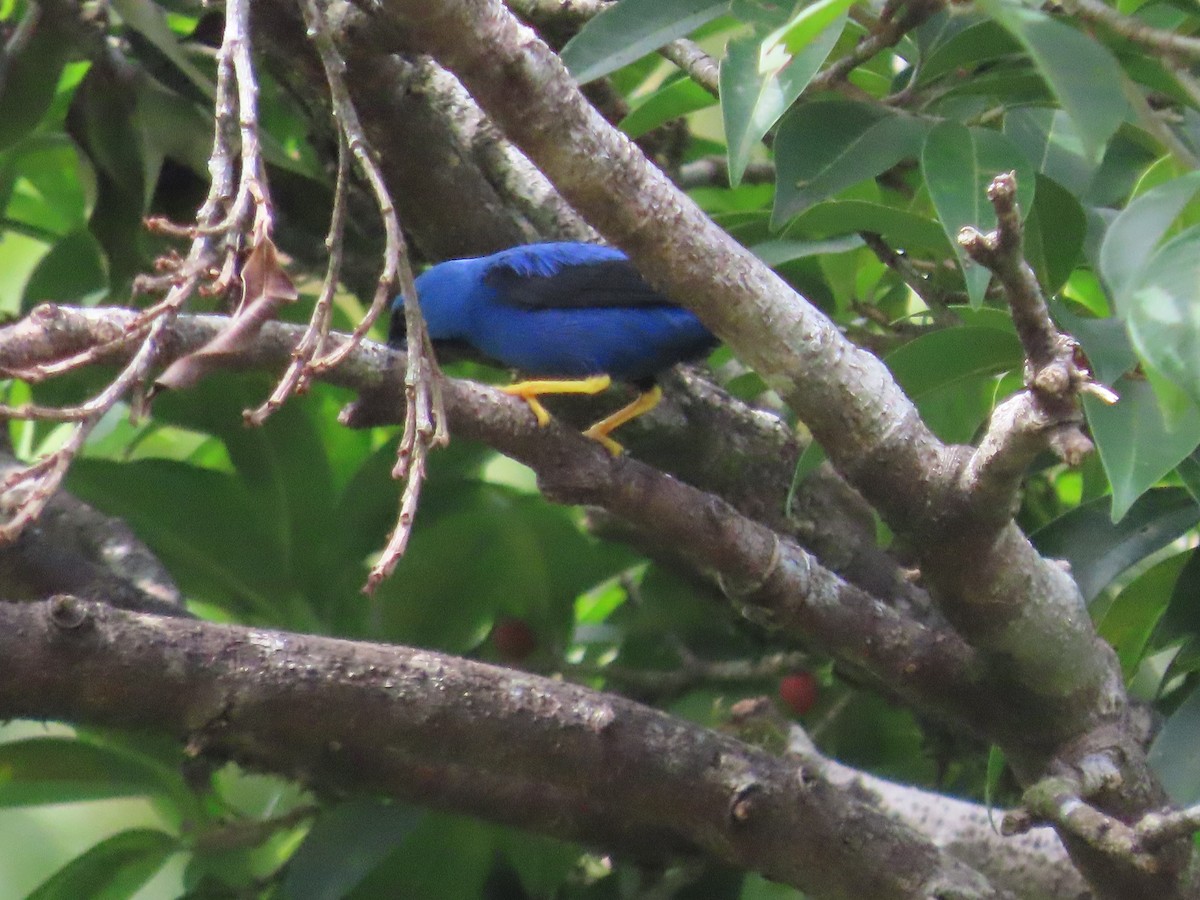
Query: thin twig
x: 1156, y: 829
x: 1159, y: 40
x: 425, y: 418
x: 297, y: 376
x: 1047, y: 414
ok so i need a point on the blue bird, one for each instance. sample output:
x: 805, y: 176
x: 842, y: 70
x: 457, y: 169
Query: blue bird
x: 575, y: 316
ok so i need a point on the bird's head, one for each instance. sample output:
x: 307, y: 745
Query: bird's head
x: 445, y: 292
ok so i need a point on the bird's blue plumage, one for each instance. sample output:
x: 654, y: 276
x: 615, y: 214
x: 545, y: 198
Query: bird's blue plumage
x: 557, y: 310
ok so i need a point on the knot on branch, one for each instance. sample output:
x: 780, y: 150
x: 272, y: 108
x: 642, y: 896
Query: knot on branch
x: 69, y: 613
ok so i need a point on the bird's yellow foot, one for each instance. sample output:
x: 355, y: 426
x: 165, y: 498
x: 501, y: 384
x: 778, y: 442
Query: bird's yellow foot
x: 530, y: 390
x: 601, y: 430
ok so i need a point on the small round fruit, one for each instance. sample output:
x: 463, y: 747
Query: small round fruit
x: 798, y: 692
x: 513, y: 639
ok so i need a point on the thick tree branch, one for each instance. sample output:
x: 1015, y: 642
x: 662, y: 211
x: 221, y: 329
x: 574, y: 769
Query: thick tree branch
x: 770, y: 577
x: 454, y: 734
x: 1022, y: 611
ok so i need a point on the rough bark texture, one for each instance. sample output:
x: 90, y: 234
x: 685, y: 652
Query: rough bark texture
x: 455, y: 734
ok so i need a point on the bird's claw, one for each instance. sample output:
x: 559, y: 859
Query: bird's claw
x: 602, y: 437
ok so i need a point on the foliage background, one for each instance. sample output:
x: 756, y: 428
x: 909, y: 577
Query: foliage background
x: 275, y: 526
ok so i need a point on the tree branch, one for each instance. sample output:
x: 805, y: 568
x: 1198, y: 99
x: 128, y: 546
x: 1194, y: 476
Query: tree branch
x: 454, y: 734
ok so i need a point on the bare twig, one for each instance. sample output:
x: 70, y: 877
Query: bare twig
x: 297, y: 375
x: 896, y: 20
x: 1047, y: 413
x: 902, y: 266
x: 713, y: 171
x: 693, y: 671
x: 425, y: 419
x: 1058, y: 801
x: 220, y: 222
x: 1159, y: 40
x: 1156, y: 829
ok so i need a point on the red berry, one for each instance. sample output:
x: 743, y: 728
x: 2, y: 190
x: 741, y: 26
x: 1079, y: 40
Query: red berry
x: 513, y: 639
x: 798, y: 691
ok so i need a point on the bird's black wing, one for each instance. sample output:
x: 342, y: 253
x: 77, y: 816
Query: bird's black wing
x: 599, y: 283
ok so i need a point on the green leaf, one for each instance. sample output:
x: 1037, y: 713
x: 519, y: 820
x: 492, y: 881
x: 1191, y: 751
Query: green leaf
x: 1099, y: 550
x: 47, y: 186
x: 959, y: 163
x: 755, y: 887
x: 1132, y: 237
x: 443, y: 858
x: 1181, y: 618
x: 826, y: 146
x: 1050, y: 143
x: 31, y: 78
x: 43, y: 770
x: 627, y: 31
x: 1135, y: 443
x: 1104, y: 340
x: 778, y: 252
x: 1163, y: 311
x: 74, y: 271
x: 185, y: 514
x: 946, y: 356
x: 149, y: 20
x: 951, y: 42
x: 114, y: 869
x: 901, y: 228
x: 1172, y: 756
x: 1054, y: 233
x: 1081, y: 72
x: 678, y: 98
x: 345, y: 844
x: 1131, y: 618
x: 760, y: 79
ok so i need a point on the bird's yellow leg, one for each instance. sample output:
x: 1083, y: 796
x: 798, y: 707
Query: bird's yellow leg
x: 601, y: 430
x: 529, y: 391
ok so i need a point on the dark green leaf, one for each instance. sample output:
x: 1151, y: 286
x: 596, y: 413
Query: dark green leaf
x: 1173, y: 753
x: 826, y: 146
x: 959, y: 163
x: 949, y: 355
x: 44, y: 770
x: 1131, y: 239
x: 1099, y: 550
x: 1049, y: 142
x: 74, y: 271
x: 671, y: 101
x: 114, y: 869
x: 1103, y: 340
x: 345, y: 844
x: 776, y: 253
x: 1054, y: 233
x: 1135, y: 443
x: 1133, y: 614
x: 1080, y: 71
x: 628, y: 30
x: 954, y: 42
x: 761, y: 78
x: 31, y: 76
x: 149, y: 20
x: 49, y: 187
x: 443, y: 858
x: 902, y: 229
x: 1163, y: 312
x: 186, y: 515
x: 1181, y: 619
